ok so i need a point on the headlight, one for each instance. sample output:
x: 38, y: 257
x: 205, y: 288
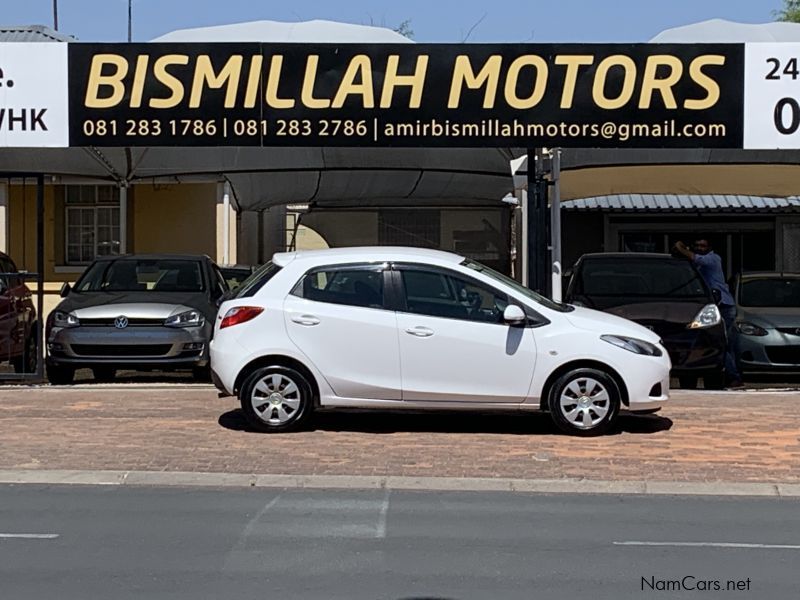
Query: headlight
x: 750, y: 329
x: 707, y: 317
x: 62, y: 319
x: 190, y: 318
x: 632, y: 345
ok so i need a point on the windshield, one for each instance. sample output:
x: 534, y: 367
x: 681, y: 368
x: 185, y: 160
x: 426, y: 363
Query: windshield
x: 642, y: 278
x: 517, y: 286
x: 256, y: 281
x: 143, y: 275
x: 770, y: 292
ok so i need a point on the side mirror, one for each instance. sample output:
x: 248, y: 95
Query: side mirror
x: 717, y: 296
x: 65, y: 289
x: 514, y: 315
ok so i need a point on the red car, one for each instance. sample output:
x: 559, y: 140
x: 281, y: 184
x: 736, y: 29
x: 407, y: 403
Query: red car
x: 18, y: 324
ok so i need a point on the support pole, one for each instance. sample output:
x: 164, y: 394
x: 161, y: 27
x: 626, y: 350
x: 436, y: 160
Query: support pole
x: 123, y: 217
x: 538, y: 224
x: 226, y: 223
x: 555, y: 223
x: 40, y: 275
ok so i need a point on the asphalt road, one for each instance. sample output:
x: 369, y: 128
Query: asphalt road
x: 94, y: 542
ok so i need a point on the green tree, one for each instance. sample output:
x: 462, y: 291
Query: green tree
x: 790, y: 11
x: 405, y: 27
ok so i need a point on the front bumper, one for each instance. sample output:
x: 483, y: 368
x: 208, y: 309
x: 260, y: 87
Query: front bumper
x: 696, y: 350
x: 132, y: 347
x: 646, y: 380
x: 775, y: 352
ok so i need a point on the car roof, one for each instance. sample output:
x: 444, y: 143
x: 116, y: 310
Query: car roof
x: 367, y: 254
x: 155, y: 257
x: 617, y: 255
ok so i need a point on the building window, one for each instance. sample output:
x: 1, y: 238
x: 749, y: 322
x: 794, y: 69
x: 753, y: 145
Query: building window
x: 92, y: 221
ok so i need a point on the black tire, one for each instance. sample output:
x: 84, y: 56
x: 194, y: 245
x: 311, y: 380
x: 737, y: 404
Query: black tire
x: 578, y: 378
x: 27, y: 363
x: 104, y: 374
x: 58, y: 375
x: 714, y: 380
x: 688, y: 382
x: 302, y: 397
x: 201, y: 374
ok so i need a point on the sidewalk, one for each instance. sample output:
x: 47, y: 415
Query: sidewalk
x: 699, y: 437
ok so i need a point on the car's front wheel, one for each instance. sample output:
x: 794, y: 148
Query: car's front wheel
x: 585, y: 402
x: 104, y: 374
x: 28, y: 362
x: 714, y: 380
x: 276, y: 399
x: 60, y: 375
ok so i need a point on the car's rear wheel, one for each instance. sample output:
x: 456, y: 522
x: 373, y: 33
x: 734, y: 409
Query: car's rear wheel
x: 60, y: 375
x: 104, y: 374
x: 585, y: 402
x: 276, y: 399
x: 201, y: 374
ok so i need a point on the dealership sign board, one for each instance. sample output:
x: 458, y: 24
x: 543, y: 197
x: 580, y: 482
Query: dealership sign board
x: 403, y: 95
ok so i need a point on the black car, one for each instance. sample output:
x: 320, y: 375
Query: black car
x: 665, y: 294
x: 235, y: 275
x: 146, y: 311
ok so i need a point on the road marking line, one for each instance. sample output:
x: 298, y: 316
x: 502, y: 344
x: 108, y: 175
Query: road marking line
x: 712, y: 545
x: 380, y: 530
x: 28, y: 536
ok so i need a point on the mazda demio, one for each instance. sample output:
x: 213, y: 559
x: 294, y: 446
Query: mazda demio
x: 407, y: 328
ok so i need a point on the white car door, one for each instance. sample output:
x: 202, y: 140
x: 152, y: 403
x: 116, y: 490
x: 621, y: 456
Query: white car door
x: 454, y: 345
x: 336, y: 317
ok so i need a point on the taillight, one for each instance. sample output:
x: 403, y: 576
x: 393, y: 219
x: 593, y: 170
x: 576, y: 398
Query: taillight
x: 240, y: 314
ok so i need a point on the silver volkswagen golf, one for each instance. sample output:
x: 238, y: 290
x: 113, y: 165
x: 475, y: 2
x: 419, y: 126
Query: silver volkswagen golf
x: 148, y: 312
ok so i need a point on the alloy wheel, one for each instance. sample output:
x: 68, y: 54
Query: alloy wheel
x: 276, y: 399
x: 584, y: 402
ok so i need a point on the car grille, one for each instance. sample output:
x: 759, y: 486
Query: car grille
x: 787, y: 355
x: 132, y: 322
x: 121, y: 349
x: 790, y: 330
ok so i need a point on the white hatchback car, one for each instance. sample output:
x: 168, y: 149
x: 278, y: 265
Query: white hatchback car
x: 417, y: 329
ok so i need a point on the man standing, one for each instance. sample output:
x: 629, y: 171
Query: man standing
x: 709, y: 264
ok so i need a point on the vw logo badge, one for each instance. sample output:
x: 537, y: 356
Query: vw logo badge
x: 797, y: 331
x: 121, y: 322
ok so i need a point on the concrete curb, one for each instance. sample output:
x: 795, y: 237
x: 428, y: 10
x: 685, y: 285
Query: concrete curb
x: 463, y: 484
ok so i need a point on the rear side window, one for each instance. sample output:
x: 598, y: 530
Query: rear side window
x: 257, y: 280
x: 350, y: 287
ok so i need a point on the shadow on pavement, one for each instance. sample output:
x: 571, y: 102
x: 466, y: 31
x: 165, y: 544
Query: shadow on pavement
x: 382, y: 422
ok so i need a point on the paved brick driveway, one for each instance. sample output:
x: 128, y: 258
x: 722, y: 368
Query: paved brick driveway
x: 742, y: 437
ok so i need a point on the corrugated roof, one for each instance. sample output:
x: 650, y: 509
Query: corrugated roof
x: 32, y: 33
x: 684, y: 203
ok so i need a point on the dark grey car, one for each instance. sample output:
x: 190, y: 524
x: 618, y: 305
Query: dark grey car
x: 148, y: 312
x: 768, y: 322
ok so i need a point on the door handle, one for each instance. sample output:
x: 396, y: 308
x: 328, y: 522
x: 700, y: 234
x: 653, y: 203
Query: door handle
x: 307, y: 320
x: 420, y: 331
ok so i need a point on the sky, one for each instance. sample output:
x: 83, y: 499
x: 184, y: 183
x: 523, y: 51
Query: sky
x: 431, y: 20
